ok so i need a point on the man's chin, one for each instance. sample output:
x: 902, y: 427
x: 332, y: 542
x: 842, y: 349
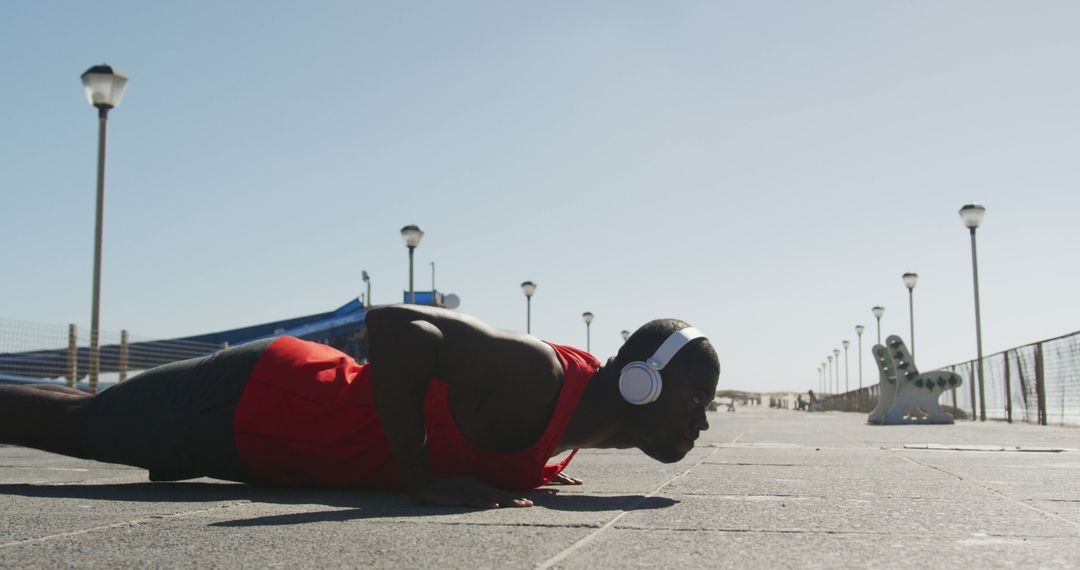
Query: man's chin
x: 666, y: 455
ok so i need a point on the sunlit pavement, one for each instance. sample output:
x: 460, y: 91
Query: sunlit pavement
x: 763, y: 489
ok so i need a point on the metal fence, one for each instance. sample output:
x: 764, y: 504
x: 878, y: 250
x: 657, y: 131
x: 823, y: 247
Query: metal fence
x: 1036, y: 383
x: 34, y: 352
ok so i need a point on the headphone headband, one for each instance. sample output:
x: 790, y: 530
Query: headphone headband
x: 671, y: 347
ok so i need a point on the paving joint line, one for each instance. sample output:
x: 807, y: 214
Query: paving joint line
x: 550, y: 562
x: 906, y: 534
x: 121, y: 524
x: 993, y: 491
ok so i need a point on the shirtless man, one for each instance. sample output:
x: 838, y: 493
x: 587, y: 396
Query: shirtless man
x: 449, y: 409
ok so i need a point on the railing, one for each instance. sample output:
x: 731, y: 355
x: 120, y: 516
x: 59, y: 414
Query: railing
x: 1036, y: 383
x: 34, y: 352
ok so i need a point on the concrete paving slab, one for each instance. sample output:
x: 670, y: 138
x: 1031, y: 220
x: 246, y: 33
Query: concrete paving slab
x: 633, y: 548
x: 996, y: 516
x: 764, y: 489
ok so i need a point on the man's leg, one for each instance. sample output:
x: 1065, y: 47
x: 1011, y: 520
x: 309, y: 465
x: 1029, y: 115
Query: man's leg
x: 44, y: 417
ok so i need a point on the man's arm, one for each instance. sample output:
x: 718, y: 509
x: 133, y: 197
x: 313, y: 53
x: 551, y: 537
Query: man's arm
x: 408, y: 346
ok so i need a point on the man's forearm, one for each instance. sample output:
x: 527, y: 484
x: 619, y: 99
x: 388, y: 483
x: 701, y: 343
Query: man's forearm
x: 404, y: 357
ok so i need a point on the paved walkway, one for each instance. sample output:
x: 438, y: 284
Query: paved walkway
x: 764, y: 489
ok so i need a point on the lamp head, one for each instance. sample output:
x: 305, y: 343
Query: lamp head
x: 972, y: 214
x: 412, y: 235
x: 104, y: 86
x: 878, y: 311
x: 910, y: 279
x: 859, y: 329
x: 587, y: 316
x: 528, y: 287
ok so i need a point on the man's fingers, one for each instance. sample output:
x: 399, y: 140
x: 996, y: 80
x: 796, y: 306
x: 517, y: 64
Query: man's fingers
x: 469, y: 493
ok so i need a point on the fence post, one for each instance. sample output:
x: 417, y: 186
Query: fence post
x: 1040, y: 383
x: 1008, y: 389
x: 72, y: 352
x: 971, y: 383
x: 123, y: 356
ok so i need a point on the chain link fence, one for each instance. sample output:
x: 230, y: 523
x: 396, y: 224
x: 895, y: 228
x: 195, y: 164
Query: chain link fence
x: 34, y: 352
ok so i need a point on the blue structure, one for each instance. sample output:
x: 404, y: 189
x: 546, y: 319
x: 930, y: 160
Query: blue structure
x: 343, y: 328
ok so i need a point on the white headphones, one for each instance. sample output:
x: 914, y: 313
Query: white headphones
x: 639, y: 382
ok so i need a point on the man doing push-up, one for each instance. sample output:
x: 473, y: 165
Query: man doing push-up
x: 449, y: 409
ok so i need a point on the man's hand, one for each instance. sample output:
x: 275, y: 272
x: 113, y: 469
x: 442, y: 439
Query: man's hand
x: 466, y: 492
x: 564, y: 479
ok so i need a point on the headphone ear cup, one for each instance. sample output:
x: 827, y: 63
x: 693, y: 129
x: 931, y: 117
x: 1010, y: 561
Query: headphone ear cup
x: 639, y: 383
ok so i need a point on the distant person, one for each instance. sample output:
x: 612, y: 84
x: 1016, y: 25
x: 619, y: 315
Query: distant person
x: 800, y: 404
x: 450, y: 410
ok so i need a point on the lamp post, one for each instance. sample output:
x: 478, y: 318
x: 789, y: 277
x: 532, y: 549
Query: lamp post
x: 432, y: 264
x: 878, y: 312
x: 972, y: 215
x: 104, y: 86
x: 367, y: 296
x: 588, y: 317
x: 625, y: 335
x: 828, y: 379
x: 819, y: 378
x: 528, y: 287
x: 847, y: 385
x: 824, y: 382
x: 859, y: 330
x: 411, y: 235
x: 836, y: 353
x: 909, y: 282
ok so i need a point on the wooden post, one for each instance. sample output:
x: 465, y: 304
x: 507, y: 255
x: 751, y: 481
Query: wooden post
x: 123, y: 356
x: 72, y: 356
x: 1008, y: 390
x: 1040, y: 383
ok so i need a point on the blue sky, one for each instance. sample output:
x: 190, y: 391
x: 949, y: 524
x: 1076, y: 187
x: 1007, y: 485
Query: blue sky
x: 763, y: 170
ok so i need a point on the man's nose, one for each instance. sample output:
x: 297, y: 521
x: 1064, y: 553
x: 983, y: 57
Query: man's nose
x: 701, y: 422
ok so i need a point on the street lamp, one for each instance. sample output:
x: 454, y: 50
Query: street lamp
x: 411, y: 235
x: 836, y: 352
x: 859, y: 330
x: 909, y: 282
x: 528, y: 287
x: 847, y: 385
x: 819, y: 378
x: 625, y: 335
x: 432, y: 264
x: 878, y: 311
x: 104, y: 86
x: 972, y: 215
x: 588, y: 317
x: 367, y: 280
x: 828, y: 379
x: 824, y: 382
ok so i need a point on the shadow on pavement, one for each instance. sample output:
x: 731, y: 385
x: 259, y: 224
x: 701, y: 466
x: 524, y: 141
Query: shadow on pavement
x: 353, y: 504
x: 403, y: 508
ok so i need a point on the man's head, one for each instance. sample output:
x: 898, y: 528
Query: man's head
x: 666, y: 428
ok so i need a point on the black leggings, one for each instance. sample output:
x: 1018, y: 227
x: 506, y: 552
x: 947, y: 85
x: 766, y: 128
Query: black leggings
x: 175, y: 420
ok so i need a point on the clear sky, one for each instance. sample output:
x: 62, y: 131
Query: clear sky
x: 765, y: 170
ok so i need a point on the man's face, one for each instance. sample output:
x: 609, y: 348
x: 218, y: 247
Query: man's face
x: 668, y: 427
